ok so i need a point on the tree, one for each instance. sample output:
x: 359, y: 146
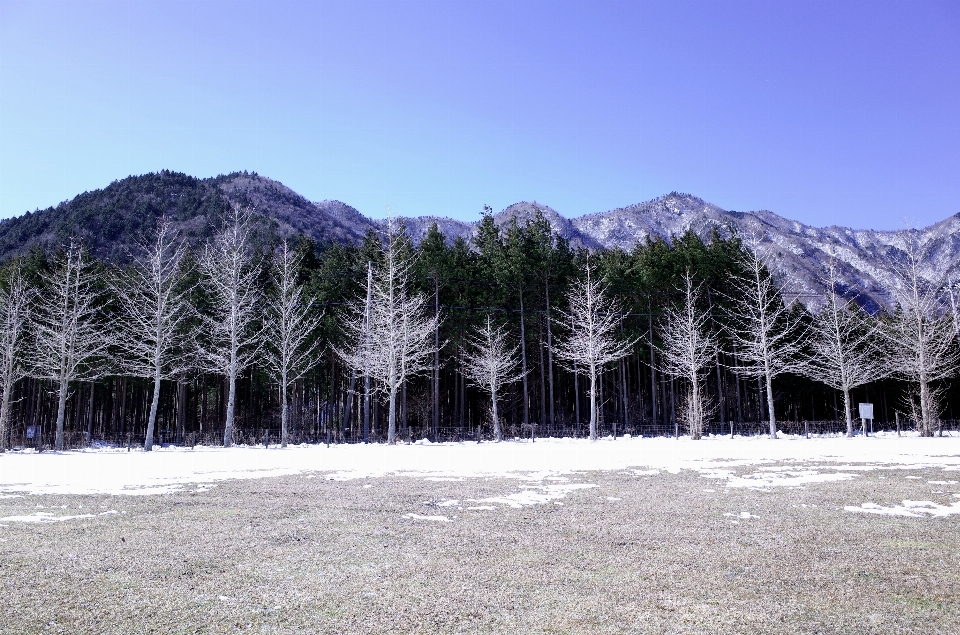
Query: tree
x: 591, y: 322
x: 231, y: 339
x: 766, y: 336
x: 394, y: 322
x: 843, y: 346
x: 154, y: 307
x: 687, y: 351
x: 68, y: 337
x: 290, y: 328
x: 921, y: 336
x: 15, y: 298
x: 490, y: 363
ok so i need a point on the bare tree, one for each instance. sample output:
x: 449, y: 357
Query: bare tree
x: 232, y: 339
x: 490, y: 363
x: 15, y: 298
x: 591, y: 340
x: 767, y: 338
x: 290, y: 327
x: 68, y: 338
x: 843, y: 346
x: 921, y: 336
x: 687, y: 352
x: 394, y: 322
x: 155, y: 306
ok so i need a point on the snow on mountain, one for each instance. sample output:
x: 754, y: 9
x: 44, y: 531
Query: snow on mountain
x: 797, y: 252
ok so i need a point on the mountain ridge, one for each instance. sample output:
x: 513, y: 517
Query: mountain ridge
x: 107, y: 218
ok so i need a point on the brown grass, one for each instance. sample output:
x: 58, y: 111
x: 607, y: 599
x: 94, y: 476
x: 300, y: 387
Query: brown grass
x: 309, y: 555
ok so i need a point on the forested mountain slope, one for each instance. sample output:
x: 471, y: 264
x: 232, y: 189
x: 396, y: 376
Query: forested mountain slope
x: 109, y: 221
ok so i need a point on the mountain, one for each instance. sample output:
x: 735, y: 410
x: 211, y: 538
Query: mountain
x: 110, y: 220
x: 798, y: 252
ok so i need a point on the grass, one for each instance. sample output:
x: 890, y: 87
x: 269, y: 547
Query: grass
x: 309, y: 555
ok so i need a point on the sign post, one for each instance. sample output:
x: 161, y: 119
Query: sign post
x: 866, y: 412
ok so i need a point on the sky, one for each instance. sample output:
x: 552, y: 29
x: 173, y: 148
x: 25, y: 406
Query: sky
x: 836, y: 112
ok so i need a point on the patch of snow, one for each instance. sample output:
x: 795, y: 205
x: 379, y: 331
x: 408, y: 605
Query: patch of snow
x: 742, y: 515
x: 786, y: 479
x: 535, y: 495
x: 942, y: 482
x: 478, y: 507
x: 913, y: 509
x: 47, y: 517
x: 613, y: 498
x: 172, y: 469
x: 439, y: 519
x: 449, y: 503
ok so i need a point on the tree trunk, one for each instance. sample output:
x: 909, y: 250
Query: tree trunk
x: 543, y: 388
x: 4, y: 418
x: 773, y: 417
x: 623, y: 395
x: 523, y: 362
x: 392, y: 415
x: 90, y: 414
x: 152, y: 420
x: 436, y: 358
x: 497, y: 433
x: 576, y: 400
x: 231, y: 405
x: 847, y: 409
x: 593, y: 404
x: 926, y: 408
x: 552, y: 421
x: 181, y: 409
x: 673, y: 408
x: 693, y: 409
x: 61, y: 411
x: 653, y: 369
x: 284, y: 416
x: 721, y: 396
x: 366, y: 373
x: 348, y: 405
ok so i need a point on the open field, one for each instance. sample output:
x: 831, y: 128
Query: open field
x: 690, y: 538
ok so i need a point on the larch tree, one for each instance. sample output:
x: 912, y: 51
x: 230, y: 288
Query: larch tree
x: 490, y: 363
x: 767, y: 338
x: 290, y: 330
x: 69, y: 338
x: 154, y: 303
x: 232, y: 339
x: 843, y: 346
x: 391, y: 334
x: 591, y: 341
x: 688, y: 351
x: 15, y: 298
x: 921, y: 338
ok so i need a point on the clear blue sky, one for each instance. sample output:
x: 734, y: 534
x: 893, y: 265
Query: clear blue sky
x: 824, y: 112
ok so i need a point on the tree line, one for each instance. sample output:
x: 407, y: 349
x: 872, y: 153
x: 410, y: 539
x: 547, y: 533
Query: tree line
x: 515, y: 333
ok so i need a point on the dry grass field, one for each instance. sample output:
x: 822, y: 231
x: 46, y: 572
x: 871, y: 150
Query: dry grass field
x: 636, y: 553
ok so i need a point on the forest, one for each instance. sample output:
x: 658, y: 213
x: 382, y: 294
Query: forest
x: 256, y: 340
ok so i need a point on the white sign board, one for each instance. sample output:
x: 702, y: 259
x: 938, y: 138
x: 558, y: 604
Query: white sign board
x: 866, y: 411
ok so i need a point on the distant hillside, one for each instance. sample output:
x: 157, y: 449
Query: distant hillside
x: 109, y: 221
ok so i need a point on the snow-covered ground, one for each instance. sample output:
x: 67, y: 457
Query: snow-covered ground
x: 784, y: 462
